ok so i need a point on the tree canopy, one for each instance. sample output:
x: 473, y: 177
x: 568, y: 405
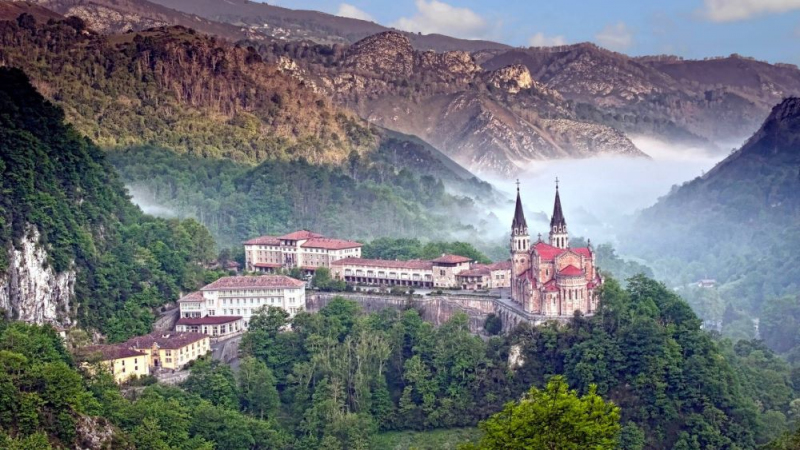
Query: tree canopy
x: 554, y: 418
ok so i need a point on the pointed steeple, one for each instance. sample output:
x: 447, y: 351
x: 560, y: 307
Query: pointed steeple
x: 558, y: 215
x: 519, y: 225
x: 559, y: 237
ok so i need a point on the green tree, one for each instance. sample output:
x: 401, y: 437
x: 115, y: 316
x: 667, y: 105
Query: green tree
x: 257, y: 394
x: 553, y: 418
x: 493, y: 324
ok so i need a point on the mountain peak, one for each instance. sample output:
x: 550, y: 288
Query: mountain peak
x: 389, y: 51
x: 786, y: 111
x: 780, y: 131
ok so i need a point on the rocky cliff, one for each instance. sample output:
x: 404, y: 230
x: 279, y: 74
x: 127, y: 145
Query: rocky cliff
x: 490, y: 121
x: 30, y: 289
x: 121, y: 16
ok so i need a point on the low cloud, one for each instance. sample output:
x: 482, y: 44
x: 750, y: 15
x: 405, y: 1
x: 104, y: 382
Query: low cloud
x: 348, y: 10
x: 597, y: 205
x: 615, y: 37
x: 540, y: 40
x: 733, y: 10
x: 438, y: 17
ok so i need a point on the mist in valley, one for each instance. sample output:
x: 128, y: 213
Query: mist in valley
x: 600, y: 195
x: 144, y: 199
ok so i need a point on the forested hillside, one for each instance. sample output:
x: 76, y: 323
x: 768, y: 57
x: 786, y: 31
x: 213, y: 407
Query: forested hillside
x: 59, y: 183
x: 181, y: 90
x: 738, y: 224
x: 342, y: 376
x: 48, y: 401
x: 364, y: 200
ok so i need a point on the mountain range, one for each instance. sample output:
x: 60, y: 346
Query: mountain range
x: 490, y: 107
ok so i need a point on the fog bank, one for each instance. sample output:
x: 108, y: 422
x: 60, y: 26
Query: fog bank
x: 598, y: 194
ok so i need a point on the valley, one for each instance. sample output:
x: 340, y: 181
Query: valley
x: 329, y: 200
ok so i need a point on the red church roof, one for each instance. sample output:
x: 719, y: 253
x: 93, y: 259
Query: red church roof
x: 571, y: 271
x: 549, y: 253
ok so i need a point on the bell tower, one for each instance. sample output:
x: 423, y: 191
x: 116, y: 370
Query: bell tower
x: 558, y: 225
x: 520, y: 241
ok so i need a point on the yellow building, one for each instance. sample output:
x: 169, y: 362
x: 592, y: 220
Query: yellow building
x: 171, y: 350
x: 122, y: 362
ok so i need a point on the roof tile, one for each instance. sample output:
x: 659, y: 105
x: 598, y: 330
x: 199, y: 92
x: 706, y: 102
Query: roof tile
x: 250, y: 282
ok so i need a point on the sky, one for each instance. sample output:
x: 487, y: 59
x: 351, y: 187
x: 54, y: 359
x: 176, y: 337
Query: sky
x: 764, y: 29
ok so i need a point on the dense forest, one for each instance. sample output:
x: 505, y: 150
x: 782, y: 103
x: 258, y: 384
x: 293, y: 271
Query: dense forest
x: 341, y: 376
x: 182, y: 90
x: 187, y: 116
x: 195, y: 94
x: 48, y: 401
x: 60, y: 183
x: 362, y: 201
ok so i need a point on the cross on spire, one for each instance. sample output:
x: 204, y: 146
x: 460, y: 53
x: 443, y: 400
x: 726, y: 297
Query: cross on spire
x: 517, y: 184
x: 556, y: 183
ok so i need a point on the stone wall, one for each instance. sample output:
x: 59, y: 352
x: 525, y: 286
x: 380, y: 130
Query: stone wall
x: 436, y: 309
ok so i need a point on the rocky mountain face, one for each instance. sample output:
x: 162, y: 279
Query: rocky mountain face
x: 121, y: 16
x: 714, y: 101
x: 12, y: 10
x: 32, y: 291
x: 711, y: 103
x: 490, y: 121
x: 313, y: 26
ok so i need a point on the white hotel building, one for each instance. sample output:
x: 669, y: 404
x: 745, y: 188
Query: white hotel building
x: 225, y: 306
x: 301, y: 249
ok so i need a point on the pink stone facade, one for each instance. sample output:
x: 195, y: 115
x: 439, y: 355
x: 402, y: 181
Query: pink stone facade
x: 551, y: 279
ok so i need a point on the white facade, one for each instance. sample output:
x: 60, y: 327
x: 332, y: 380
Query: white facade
x: 243, y: 296
x: 245, y: 302
x: 301, y: 249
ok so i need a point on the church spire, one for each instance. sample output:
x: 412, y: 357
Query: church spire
x: 519, y: 225
x: 558, y: 225
x: 558, y: 215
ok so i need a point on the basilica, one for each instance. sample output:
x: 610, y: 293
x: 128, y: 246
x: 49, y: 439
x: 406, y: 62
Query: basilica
x: 551, y: 279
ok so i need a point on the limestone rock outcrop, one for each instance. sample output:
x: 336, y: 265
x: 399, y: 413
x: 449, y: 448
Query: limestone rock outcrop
x: 30, y: 290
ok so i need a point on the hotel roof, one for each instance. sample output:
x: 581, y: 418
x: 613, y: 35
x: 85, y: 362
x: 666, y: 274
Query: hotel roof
x: 477, y: 270
x: 330, y: 243
x: 253, y: 282
x: 196, y: 296
x: 299, y: 235
x: 170, y: 340
x: 451, y: 259
x: 208, y: 320
x: 107, y: 352
x: 502, y: 265
x: 416, y: 264
x: 263, y: 240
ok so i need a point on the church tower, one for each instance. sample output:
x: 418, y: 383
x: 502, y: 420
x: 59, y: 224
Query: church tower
x: 558, y: 226
x: 520, y: 242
